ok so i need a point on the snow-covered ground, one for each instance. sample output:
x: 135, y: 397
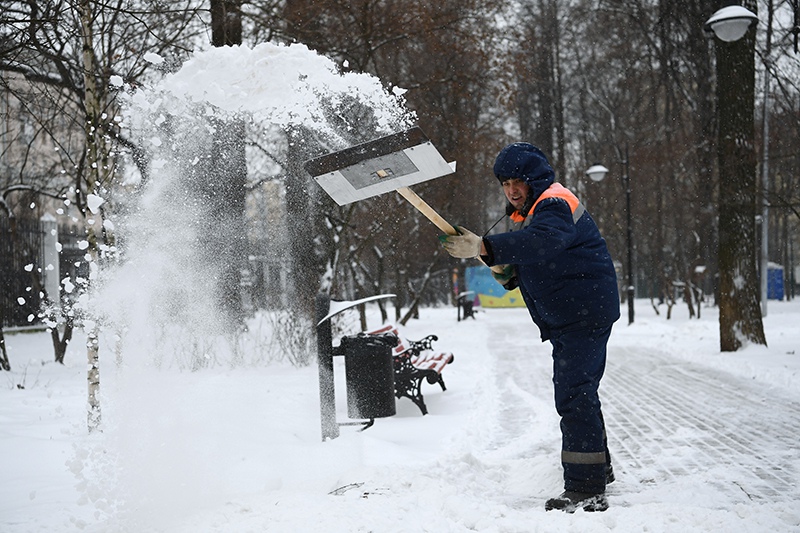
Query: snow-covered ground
x: 702, y: 441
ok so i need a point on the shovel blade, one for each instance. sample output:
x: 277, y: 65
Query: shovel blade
x: 378, y: 166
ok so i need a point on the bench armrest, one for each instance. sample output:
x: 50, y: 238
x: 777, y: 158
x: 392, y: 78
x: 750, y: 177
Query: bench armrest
x: 426, y: 343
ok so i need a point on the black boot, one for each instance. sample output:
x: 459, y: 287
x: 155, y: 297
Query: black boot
x: 570, y: 501
x: 609, y: 474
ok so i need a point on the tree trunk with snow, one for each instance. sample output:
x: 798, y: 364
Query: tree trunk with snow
x: 739, y: 309
x: 98, y: 169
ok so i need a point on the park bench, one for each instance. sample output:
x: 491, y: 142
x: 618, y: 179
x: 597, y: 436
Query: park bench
x: 465, y: 303
x: 415, y: 361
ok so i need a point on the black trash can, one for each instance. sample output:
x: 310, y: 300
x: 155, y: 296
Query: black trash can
x: 369, y: 374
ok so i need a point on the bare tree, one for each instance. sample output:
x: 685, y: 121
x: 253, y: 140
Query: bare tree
x: 79, y: 54
x: 99, y: 172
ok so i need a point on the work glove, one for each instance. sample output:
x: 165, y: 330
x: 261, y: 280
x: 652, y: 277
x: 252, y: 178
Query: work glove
x: 465, y: 245
x: 506, y: 275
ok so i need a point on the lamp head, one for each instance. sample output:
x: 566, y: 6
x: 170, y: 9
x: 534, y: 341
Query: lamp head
x: 730, y: 23
x: 597, y: 172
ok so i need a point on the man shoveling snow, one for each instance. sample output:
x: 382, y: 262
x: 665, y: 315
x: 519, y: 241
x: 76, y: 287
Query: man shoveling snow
x: 561, y: 264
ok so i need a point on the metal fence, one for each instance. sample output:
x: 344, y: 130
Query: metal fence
x: 23, y: 267
x: 20, y: 245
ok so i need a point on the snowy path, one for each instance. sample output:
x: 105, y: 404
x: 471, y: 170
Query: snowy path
x: 656, y: 406
x: 523, y: 383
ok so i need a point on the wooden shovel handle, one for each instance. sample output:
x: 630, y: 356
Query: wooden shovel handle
x: 435, y: 217
x: 427, y: 210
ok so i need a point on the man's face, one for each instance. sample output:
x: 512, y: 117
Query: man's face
x: 516, y: 191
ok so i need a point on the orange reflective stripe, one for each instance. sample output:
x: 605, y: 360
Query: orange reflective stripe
x: 556, y: 190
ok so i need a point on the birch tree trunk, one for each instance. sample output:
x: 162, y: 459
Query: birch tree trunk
x: 739, y: 309
x: 97, y: 170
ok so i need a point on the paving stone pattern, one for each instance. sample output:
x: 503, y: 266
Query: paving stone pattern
x: 667, y: 419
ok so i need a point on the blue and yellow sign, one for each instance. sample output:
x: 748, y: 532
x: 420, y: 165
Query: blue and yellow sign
x: 490, y: 293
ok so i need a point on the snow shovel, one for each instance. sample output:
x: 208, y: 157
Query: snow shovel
x: 391, y: 163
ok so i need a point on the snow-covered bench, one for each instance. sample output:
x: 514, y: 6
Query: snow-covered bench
x: 413, y: 362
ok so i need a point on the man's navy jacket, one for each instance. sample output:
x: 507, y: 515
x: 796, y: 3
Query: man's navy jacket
x: 563, y: 267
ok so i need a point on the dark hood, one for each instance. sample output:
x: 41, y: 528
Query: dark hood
x: 526, y: 162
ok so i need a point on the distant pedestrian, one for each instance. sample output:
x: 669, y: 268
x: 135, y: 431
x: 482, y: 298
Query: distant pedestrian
x: 561, y: 264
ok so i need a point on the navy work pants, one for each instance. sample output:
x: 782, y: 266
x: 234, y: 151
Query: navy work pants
x: 579, y: 360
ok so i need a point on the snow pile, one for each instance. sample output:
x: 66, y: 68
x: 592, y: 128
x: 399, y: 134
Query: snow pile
x: 281, y: 84
x: 276, y: 84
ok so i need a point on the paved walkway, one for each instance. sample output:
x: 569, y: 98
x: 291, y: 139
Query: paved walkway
x: 658, y: 408
x: 667, y: 420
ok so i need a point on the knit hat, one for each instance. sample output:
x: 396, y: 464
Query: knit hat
x: 522, y: 161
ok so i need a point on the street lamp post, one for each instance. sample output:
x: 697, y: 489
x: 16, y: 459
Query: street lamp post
x: 596, y: 173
